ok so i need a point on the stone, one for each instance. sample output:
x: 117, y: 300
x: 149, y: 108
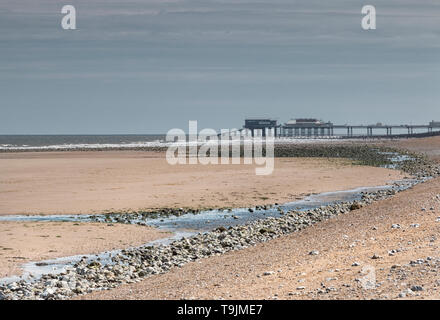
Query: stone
x: 48, y: 292
x: 405, y: 293
x: 314, y: 253
x: 355, y: 206
x: 416, y: 288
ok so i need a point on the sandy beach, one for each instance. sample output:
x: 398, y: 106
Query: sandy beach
x: 96, y: 182
x: 21, y: 242
x: 344, y: 247
x: 347, y: 249
x: 295, y: 274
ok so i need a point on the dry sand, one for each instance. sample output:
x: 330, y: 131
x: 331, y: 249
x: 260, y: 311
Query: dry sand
x: 95, y: 182
x: 21, y: 242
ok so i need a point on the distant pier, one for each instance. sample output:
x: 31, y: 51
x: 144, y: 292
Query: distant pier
x: 304, y: 127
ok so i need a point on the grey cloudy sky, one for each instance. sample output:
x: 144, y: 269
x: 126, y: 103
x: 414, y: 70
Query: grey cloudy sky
x: 145, y: 66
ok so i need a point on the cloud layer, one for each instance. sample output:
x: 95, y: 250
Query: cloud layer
x: 146, y: 66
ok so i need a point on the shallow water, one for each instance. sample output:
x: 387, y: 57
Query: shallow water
x: 34, y: 270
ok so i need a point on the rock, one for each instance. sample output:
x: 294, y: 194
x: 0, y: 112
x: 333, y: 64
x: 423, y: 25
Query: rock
x: 268, y: 273
x: 355, y: 264
x: 416, y: 288
x: 48, y: 292
x: 355, y: 206
x: 63, y: 285
x: 266, y: 230
x: 376, y: 256
x: 395, y: 226
x: 405, y: 293
x: 414, y: 225
x: 13, y: 286
x: 300, y: 288
x: 314, y: 253
x: 94, y: 265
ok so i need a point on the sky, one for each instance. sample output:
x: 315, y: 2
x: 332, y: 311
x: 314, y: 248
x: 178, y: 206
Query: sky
x: 146, y: 66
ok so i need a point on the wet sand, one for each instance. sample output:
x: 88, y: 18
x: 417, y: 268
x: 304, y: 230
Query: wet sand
x: 21, y: 242
x: 427, y: 146
x: 96, y: 182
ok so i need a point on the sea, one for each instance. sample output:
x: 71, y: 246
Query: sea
x: 84, y: 142
x: 36, y: 142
